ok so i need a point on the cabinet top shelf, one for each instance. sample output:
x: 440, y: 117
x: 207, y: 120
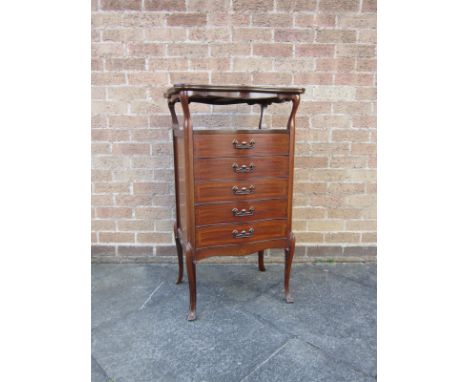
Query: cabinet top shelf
x: 225, y: 95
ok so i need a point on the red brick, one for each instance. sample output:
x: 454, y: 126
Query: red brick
x: 343, y: 64
x: 166, y: 64
x: 146, y: 49
x: 135, y: 225
x: 350, y: 135
x: 272, y: 78
x: 335, y: 35
x: 164, y: 5
x: 317, y: 20
x: 187, y: 50
x: 231, y: 78
x: 339, y: 5
x: 121, y: 5
x: 100, y: 148
x: 296, y: 6
x: 122, y: 35
x: 133, y: 200
x: 165, y: 34
x: 368, y: 93
x: 116, y: 237
x: 214, y: 64
x: 366, y: 65
x: 210, y: 35
x: 272, y: 50
x: 154, y: 237
x: 188, y: 77
x: 230, y: 50
x: 315, y: 50
x: 357, y: 50
x: 294, y: 35
x: 111, y: 187
x: 126, y: 93
x: 131, y: 148
x: 358, y: 21
x: 233, y: 19
x: 356, y: 79
x: 369, y: 6
x: 252, y: 34
x: 348, y: 162
x: 126, y: 121
x: 208, y: 5
x: 186, y: 19
x: 309, y: 78
x: 342, y: 237
x: 125, y: 64
x: 108, y: 135
x: 113, y: 212
x: 147, y: 78
x: 107, y: 78
x: 272, y: 20
x: 252, y: 6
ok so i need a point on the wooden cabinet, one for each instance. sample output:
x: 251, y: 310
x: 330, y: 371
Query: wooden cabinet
x: 233, y: 187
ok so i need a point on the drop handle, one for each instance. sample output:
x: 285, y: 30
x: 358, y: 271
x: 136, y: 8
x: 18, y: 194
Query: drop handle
x: 243, y: 190
x: 243, y: 169
x: 239, y: 235
x: 243, y: 212
x: 243, y: 145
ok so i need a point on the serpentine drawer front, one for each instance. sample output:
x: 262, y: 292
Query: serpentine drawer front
x: 233, y: 187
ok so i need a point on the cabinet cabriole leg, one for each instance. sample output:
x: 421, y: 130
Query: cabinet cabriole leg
x: 180, y: 256
x: 192, y: 279
x: 261, y: 264
x: 288, y: 257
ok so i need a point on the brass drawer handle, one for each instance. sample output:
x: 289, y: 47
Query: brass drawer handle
x: 243, y: 145
x: 244, y: 168
x: 239, y: 235
x: 243, y: 190
x: 243, y: 212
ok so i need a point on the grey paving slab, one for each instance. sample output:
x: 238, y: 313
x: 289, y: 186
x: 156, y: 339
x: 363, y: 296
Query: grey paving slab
x: 244, y: 328
x: 365, y: 274
x: 331, y: 312
x: 300, y: 362
x: 157, y: 343
x: 97, y: 373
x: 123, y: 288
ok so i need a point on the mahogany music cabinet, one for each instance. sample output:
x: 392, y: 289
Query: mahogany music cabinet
x: 233, y: 188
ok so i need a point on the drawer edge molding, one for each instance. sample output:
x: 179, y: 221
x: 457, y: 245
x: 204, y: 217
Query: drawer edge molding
x: 241, y: 249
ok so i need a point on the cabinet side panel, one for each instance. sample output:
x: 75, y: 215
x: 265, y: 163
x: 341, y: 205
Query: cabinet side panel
x: 181, y: 184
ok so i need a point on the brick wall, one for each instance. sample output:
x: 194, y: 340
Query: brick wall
x: 140, y: 48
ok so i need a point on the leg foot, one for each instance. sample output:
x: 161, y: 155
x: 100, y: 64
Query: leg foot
x: 288, y: 257
x: 180, y: 256
x: 192, y: 278
x: 261, y: 265
x: 289, y: 298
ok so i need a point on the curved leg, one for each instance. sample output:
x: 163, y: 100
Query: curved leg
x: 288, y: 257
x: 261, y: 265
x: 179, y: 256
x: 192, y: 279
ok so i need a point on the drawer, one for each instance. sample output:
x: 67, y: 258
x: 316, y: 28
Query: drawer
x: 240, y: 233
x: 241, y: 168
x: 218, y: 191
x: 240, y: 212
x: 221, y: 144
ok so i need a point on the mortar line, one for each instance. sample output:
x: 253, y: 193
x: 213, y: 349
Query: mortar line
x: 151, y: 295
x: 100, y: 367
x: 266, y: 360
x: 337, y: 360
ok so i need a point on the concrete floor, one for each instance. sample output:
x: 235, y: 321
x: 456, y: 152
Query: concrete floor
x: 244, y: 329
